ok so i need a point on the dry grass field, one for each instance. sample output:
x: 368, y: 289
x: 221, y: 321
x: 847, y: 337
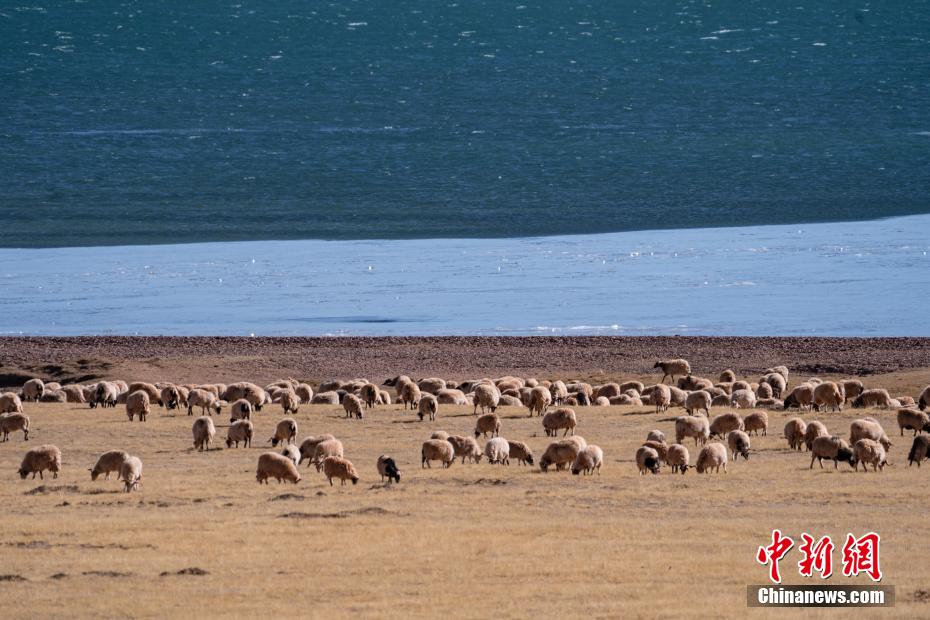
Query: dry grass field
x: 473, y: 541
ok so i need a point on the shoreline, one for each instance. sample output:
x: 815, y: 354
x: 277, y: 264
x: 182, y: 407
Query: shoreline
x: 207, y: 358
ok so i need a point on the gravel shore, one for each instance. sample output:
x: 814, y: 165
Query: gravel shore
x: 225, y: 358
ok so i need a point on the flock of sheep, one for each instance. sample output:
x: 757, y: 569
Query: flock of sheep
x: 552, y: 400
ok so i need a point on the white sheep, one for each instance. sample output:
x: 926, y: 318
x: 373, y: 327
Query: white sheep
x: 743, y: 398
x: 427, y: 407
x: 130, y: 472
x: 812, y: 431
x: 487, y: 397
x: 207, y: 401
x: 498, y: 451
x: 12, y: 422
x: 277, y: 466
x: 692, y: 426
x: 539, y: 400
x: 33, y: 390
x: 795, y: 429
x: 655, y: 435
x: 138, y: 404
x: 352, y: 405
x: 588, y: 461
x: 437, y: 450
x: 108, y: 463
x: 712, y: 456
x: 868, y: 428
x: 697, y: 401
x: 661, y: 397
x: 673, y: 368
x: 678, y: 457
x: 869, y: 452
x: 203, y: 431
x: 10, y: 403
x: 464, y: 447
x: 875, y: 398
x: 239, y: 431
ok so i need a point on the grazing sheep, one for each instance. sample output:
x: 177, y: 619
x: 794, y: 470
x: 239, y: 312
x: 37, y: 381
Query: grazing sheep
x: 369, y: 394
x: 451, y: 397
x: 739, y: 444
x: 285, y: 432
x: 292, y: 452
x: 780, y: 370
x: 764, y: 391
x: 743, y: 399
x: 561, y: 418
x: 108, y: 463
x: 130, y: 472
x: 562, y: 453
x: 409, y: 394
x: 679, y: 396
x: 869, y: 452
x: 246, y: 390
x: 770, y: 403
x: 239, y: 410
x: 868, y: 428
x: 777, y: 382
x: 10, y: 403
x: 801, y: 396
x: 290, y: 401
x: 602, y: 401
x: 488, y: 423
x: 924, y: 400
x: 697, y: 401
x: 170, y: 397
x: 240, y: 430
x: 203, y: 431
x: 911, y: 419
x: 53, y: 396
x: 305, y: 392
x: 795, y: 431
x: 833, y: 448
x: 427, y: 407
x: 659, y: 446
x: 539, y: 400
x: 74, y: 393
x: 521, y: 452
x: 588, y: 461
x: 872, y: 398
x: 814, y: 430
x: 661, y: 397
x: 655, y: 435
x: 437, y: 450
x: 137, y: 404
x: 153, y: 392
x: 724, y: 423
x: 920, y: 450
x: 712, y: 456
x: 608, y: 390
x: 558, y: 392
x: 207, y: 401
x: 12, y: 422
x: 678, y: 457
x: 673, y: 368
x: 105, y: 394
x: 277, y: 466
x: 498, y: 451
x: 757, y: 421
x: 352, y: 405
x: 464, y: 447
x: 39, y: 459
x: 309, y: 444
x: 387, y: 467
x: 692, y: 426
x: 33, y: 390
x: 487, y: 397
x: 647, y: 459
x: 325, y: 398
x: 828, y: 394
x: 727, y: 376
x: 851, y: 388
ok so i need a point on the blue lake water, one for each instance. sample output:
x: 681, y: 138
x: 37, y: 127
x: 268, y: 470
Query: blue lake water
x: 853, y: 279
x: 137, y: 122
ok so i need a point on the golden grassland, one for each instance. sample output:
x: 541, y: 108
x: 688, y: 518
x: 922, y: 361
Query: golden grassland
x: 470, y: 541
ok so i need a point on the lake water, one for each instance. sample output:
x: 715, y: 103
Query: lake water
x: 132, y: 122
x: 853, y: 279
